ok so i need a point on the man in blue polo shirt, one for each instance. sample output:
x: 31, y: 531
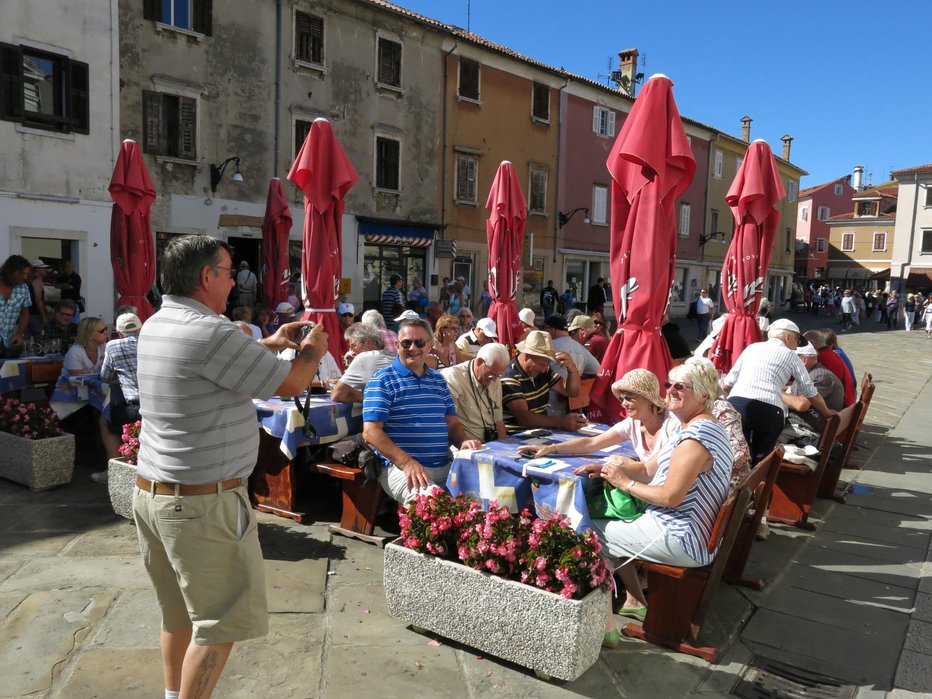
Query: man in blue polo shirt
x: 410, y: 419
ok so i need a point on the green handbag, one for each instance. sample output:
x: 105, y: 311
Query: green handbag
x: 608, y: 502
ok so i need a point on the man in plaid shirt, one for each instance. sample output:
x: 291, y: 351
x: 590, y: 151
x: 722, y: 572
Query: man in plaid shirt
x: 119, y: 367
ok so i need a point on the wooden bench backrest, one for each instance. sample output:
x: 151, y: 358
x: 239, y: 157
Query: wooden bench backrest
x: 867, y: 393
x: 725, y: 514
x: 847, y: 421
x: 866, y: 379
x: 582, y: 400
x: 760, y: 480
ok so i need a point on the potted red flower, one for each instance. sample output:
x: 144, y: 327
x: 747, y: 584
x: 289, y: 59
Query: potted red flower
x: 33, y: 449
x: 121, y: 472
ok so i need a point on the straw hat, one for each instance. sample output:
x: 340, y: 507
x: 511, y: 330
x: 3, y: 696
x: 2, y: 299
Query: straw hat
x: 640, y: 382
x: 537, y: 343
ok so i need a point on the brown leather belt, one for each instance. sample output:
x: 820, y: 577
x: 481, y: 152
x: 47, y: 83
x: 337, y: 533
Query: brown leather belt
x: 170, y: 488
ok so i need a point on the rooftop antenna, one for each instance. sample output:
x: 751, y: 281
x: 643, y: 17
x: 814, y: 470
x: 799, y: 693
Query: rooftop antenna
x: 609, y: 77
x: 469, y: 16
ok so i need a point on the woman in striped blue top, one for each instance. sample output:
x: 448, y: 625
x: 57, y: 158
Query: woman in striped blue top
x: 683, y: 487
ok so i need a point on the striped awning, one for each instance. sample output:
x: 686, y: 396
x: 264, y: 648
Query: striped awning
x: 409, y: 240
x: 396, y: 233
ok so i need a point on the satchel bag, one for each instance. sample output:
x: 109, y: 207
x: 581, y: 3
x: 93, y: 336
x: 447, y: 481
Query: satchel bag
x: 608, y: 502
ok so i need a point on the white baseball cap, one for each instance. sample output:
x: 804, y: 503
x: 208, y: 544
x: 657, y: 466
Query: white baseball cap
x: 807, y: 351
x: 346, y: 308
x: 128, y: 323
x: 785, y: 324
x: 285, y: 307
x: 487, y: 325
x: 408, y: 315
x: 527, y: 316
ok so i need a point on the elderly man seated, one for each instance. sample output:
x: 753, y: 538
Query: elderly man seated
x: 485, y: 331
x: 365, y: 343
x: 477, y: 392
x: 756, y: 382
x: 833, y: 393
x: 527, y: 383
x: 409, y: 418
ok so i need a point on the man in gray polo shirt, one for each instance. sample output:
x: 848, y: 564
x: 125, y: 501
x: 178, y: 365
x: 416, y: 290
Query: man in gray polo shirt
x: 197, y: 376
x: 366, y: 343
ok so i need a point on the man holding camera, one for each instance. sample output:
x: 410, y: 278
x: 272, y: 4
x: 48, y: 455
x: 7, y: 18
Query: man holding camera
x: 477, y: 392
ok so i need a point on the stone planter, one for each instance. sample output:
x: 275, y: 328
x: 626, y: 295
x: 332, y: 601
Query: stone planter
x: 121, y: 479
x: 540, y: 630
x: 38, y: 464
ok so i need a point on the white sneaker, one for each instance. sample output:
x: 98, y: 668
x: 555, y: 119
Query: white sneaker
x: 763, y: 531
x: 99, y: 477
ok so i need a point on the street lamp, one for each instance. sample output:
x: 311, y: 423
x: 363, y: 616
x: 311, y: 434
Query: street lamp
x: 706, y: 237
x: 216, y: 172
x: 563, y: 218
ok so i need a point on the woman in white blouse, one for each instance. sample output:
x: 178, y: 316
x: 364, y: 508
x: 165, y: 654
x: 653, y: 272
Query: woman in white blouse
x: 87, y: 353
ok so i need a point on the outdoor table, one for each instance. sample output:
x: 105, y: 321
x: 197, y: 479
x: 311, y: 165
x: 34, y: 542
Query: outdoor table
x: 273, y: 483
x: 497, y: 473
x: 72, y: 393
x: 16, y: 374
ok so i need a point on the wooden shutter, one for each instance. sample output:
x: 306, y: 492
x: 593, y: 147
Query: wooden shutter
x: 389, y: 62
x: 11, y: 82
x: 538, y: 190
x: 187, y: 128
x: 152, y: 10
x: 387, y: 156
x: 597, y: 119
x: 541, y: 102
x: 203, y: 11
x: 611, y: 123
x: 317, y: 39
x: 79, y: 102
x: 152, y: 122
x: 466, y: 178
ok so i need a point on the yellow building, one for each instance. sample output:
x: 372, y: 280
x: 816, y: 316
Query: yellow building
x: 861, y: 240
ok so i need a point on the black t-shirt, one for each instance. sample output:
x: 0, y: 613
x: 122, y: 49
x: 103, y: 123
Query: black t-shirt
x: 75, y: 281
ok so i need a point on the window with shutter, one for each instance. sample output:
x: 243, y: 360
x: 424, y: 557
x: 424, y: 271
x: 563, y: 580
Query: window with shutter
x: 928, y: 196
x: 43, y: 90
x: 389, y: 62
x: 685, y: 211
x: 541, y: 102
x: 599, y: 204
x: 603, y: 121
x: 804, y: 213
x: 302, y: 128
x: 466, y: 178
x: 309, y: 38
x: 847, y: 242
x: 880, y: 242
x: 203, y: 16
x: 717, y: 171
x: 469, y: 79
x: 387, y: 163
x: 169, y: 125
x: 538, y: 199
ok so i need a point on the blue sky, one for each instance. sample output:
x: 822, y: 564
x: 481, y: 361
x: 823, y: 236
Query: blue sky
x: 850, y: 81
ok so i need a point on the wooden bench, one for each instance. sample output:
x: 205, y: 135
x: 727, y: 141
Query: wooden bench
x: 581, y: 400
x: 680, y: 597
x: 361, y: 499
x: 797, y: 484
x: 847, y: 440
x: 760, y: 482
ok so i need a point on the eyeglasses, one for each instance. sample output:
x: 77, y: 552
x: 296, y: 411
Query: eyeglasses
x: 102, y: 331
x: 407, y: 343
x: 229, y: 271
x: 627, y: 398
x: 678, y: 386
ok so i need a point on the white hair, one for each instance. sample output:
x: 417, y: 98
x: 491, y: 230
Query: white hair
x: 702, y: 377
x: 373, y: 317
x: 493, y: 353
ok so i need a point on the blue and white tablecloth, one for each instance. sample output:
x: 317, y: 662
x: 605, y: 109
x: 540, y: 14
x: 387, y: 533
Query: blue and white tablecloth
x: 74, y: 392
x: 496, y: 473
x: 333, y: 421
x: 13, y: 372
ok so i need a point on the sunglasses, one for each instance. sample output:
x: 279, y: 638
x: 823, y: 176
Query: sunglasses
x: 102, y: 331
x: 678, y: 386
x: 347, y: 315
x: 407, y: 343
x: 627, y: 398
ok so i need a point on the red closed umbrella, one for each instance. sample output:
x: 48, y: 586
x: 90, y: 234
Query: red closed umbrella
x: 651, y: 164
x: 325, y: 175
x: 752, y: 198
x: 132, y: 251
x: 505, y: 235
x: 274, y: 268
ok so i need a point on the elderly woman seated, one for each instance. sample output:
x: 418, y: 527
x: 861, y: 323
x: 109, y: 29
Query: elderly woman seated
x: 683, y: 486
x: 649, y: 426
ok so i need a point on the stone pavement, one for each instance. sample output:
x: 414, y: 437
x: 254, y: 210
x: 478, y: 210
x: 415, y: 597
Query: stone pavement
x: 852, y: 600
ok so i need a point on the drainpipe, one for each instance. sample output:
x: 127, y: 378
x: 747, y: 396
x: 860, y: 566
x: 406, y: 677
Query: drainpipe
x: 556, y: 223
x: 278, y: 82
x: 443, y: 144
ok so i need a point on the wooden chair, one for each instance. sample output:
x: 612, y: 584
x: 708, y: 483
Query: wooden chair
x: 581, y: 401
x: 796, y: 484
x: 680, y: 597
x: 760, y: 482
x: 847, y: 440
x: 361, y: 499
x: 867, y: 393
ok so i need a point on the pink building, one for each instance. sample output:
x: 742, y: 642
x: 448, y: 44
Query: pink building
x: 816, y: 205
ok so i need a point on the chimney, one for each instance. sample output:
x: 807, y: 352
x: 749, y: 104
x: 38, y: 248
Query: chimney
x: 628, y: 67
x: 746, y: 129
x: 787, y: 140
x: 858, y: 177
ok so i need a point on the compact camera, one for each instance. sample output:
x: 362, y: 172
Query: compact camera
x: 489, y: 434
x: 303, y: 332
